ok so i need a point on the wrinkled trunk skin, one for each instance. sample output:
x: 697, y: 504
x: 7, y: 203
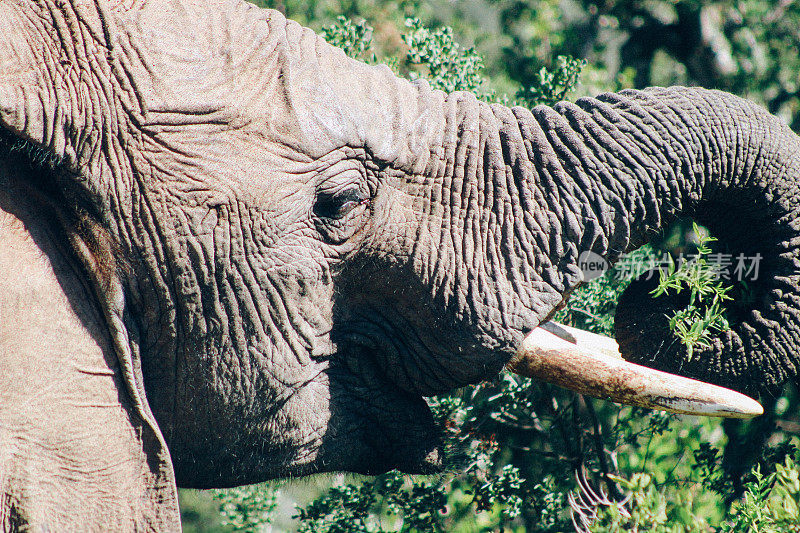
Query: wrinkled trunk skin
x: 532, y: 190
x: 738, y: 175
x: 726, y: 163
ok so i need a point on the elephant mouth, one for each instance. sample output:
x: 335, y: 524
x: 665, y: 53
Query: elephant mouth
x: 374, y: 425
x: 591, y: 364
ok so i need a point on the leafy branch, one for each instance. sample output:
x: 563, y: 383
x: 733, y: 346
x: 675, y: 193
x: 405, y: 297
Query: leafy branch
x: 705, y: 313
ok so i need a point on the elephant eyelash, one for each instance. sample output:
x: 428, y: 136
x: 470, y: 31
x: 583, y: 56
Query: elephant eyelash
x: 337, y: 206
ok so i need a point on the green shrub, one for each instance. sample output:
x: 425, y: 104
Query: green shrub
x: 247, y: 508
x: 355, y: 38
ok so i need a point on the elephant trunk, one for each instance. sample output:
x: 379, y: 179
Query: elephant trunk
x: 617, y: 169
x: 513, y: 199
x: 741, y: 182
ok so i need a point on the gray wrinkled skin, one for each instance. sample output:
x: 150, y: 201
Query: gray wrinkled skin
x: 259, y: 255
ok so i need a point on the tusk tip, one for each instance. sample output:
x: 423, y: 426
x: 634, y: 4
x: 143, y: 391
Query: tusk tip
x: 725, y: 403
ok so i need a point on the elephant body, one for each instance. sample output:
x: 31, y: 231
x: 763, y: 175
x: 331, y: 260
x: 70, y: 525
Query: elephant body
x: 252, y: 257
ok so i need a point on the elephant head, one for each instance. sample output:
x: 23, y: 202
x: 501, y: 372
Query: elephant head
x: 257, y: 256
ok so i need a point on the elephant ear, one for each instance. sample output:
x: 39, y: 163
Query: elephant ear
x: 78, y: 449
x: 82, y: 450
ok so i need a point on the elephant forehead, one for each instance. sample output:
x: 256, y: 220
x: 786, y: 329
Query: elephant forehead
x: 193, y: 63
x: 239, y: 67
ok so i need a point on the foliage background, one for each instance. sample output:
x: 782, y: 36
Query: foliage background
x: 525, y: 456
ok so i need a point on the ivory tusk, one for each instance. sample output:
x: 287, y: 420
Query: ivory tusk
x: 592, y: 365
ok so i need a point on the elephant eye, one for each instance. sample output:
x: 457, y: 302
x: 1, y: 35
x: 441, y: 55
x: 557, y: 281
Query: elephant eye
x: 337, y: 205
x: 338, y: 214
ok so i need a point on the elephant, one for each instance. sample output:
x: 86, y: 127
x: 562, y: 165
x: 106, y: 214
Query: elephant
x: 229, y: 253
